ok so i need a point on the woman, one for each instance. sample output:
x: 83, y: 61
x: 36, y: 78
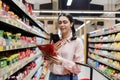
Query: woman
x: 69, y: 49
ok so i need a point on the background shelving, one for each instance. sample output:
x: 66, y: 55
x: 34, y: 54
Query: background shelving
x: 33, y: 71
x: 103, y: 52
x: 9, y: 70
x: 17, y: 7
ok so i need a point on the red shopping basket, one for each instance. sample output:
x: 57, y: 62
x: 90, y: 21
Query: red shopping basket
x: 85, y: 79
x: 91, y: 72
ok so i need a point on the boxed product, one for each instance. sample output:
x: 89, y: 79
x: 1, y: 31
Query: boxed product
x: 48, y: 48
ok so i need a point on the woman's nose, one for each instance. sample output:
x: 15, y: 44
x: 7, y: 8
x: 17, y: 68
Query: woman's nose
x: 62, y: 24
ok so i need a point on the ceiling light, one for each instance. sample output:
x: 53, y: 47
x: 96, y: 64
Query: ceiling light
x: 81, y: 18
x: 82, y: 25
x: 77, y: 11
x: 69, y: 2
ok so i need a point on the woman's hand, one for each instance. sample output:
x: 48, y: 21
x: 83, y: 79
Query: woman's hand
x: 45, y: 54
x: 58, y: 44
x: 57, y: 59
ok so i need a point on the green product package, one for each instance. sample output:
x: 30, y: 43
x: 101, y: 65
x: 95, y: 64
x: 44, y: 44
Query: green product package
x: 1, y: 33
x: 3, y: 62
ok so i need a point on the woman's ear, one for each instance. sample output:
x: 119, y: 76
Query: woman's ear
x: 71, y: 24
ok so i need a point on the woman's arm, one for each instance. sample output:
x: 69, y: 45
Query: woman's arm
x: 78, y: 57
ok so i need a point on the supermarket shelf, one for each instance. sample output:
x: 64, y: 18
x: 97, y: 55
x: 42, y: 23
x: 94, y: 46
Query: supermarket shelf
x: 44, y: 65
x: 26, y: 12
x: 107, y: 35
x: 103, y: 34
x: 9, y: 70
x: 15, y: 47
x: 101, y: 72
x: 103, y: 41
x: 32, y: 72
x: 20, y: 11
x: 105, y: 48
x: 105, y: 63
x: 39, y: 74
x: 15, y: 28
x: 47, y: 75
x: 107, y: 56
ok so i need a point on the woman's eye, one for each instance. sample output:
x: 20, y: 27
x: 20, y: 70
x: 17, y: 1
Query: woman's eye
x: 60, y: 22
x: 64, y: 22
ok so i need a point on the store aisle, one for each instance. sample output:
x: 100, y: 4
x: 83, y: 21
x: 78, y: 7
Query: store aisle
x: 47, y: 76
x: 85, y: 73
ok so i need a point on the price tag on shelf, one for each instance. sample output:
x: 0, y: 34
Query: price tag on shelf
x: 18, y: 68
x: 6, y: 47
x: 1, y: 78
x: 23, y: 46
x: 15, y: 69
x: 5, y: 76
x: 11, y: 47
x: 11, y: 72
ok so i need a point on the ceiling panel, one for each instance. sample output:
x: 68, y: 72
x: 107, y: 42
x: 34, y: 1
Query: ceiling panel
x: 103, y: 2
x: 76, y: 5
x: 39, y: 1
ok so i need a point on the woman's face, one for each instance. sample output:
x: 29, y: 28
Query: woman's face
x: 64, y: 24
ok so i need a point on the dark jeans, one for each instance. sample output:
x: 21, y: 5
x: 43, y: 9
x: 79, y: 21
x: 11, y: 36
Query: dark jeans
x: 62, y: 77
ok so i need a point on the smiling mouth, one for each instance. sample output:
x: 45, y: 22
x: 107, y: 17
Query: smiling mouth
x: 63, y: 29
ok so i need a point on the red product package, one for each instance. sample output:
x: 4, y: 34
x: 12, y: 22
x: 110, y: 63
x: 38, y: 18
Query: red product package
x: 49, y: 48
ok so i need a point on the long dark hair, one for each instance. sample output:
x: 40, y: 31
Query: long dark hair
x: 70, y: 18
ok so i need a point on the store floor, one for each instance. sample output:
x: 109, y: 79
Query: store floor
x: 85, y: 73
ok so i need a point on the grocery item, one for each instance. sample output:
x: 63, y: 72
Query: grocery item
x: 0, y: 4
x: 48, y: 48
x: 3, y: 62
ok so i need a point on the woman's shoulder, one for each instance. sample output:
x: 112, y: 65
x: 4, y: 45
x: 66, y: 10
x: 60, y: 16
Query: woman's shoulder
x: 78, y: 40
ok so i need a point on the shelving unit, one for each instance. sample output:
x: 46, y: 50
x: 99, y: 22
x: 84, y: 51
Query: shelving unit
x: 117, y: 5
x: 15, y: 25
x: 103, y: 52
x: 38, y: 77
x: 103, y: 73
x: 9, y: 70
x: 19, y: 29
x: 19, y: 9
x: 33, y: 72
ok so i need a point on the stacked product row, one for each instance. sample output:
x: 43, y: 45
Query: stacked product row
x: 108, y: 71
x: 109, y: 46
x: 12, y: 61
x: 27, y: 70
x: 12, y: 18
x: 42, y: 72
x: 9, y: 58
x: 111, y: 37
x: 111, y: 54
x: 9, y: 40
x: 105, y: 31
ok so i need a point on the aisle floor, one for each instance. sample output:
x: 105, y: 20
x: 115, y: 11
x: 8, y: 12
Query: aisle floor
x: 85, y: 73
